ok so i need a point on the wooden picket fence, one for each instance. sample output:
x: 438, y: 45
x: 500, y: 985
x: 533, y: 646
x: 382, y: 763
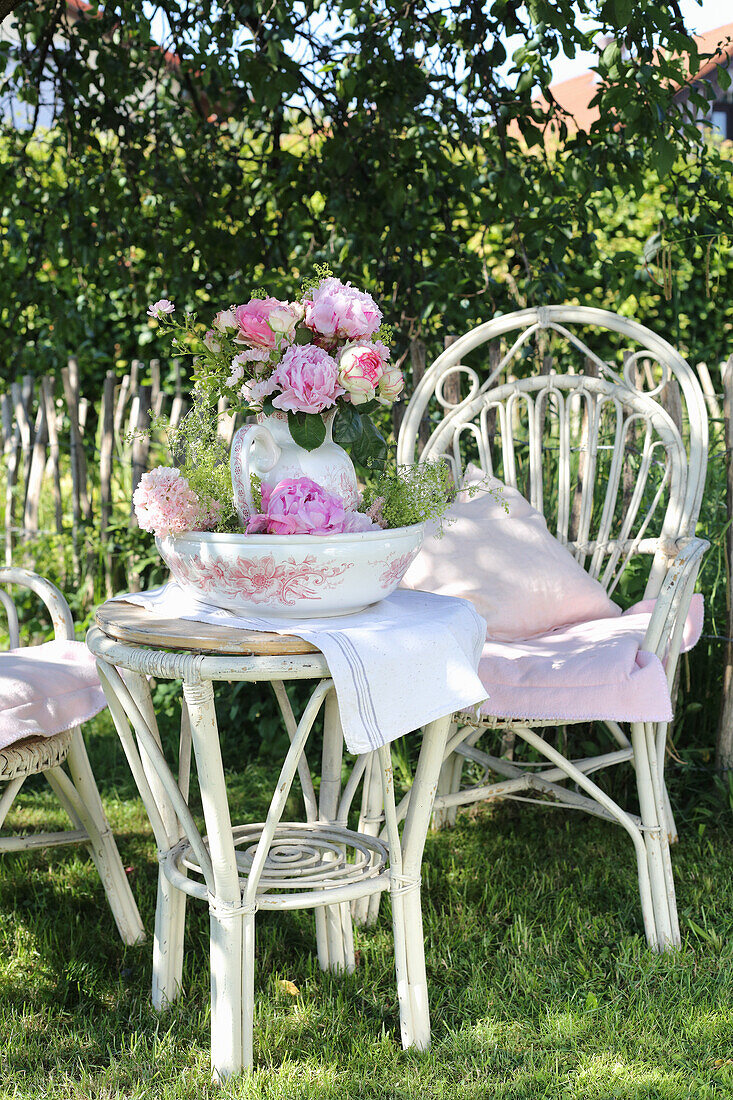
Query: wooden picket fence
x: 69, y: 465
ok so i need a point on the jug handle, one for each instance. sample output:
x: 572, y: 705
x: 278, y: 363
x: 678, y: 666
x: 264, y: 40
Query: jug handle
x: 258, y: 433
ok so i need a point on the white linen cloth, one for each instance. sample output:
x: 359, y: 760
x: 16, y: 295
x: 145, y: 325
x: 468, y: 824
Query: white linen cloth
x: 403, y: 662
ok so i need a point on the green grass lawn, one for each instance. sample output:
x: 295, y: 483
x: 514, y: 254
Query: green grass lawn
x: 540, y: 980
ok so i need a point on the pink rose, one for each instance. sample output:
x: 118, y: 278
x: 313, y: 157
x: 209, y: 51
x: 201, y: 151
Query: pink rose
x: 307, y: 378
x: 284, y: 319
x: 336, y: 311
x: 253, y: 322
x: 299, y: 506
x: 160, y: 308
x: 360, y: 368
x: 225, y: 320
x: 391, y: 385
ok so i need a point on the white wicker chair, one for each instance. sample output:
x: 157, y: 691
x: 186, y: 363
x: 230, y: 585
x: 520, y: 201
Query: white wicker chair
x: 601, y: 424
x: 76, y: 789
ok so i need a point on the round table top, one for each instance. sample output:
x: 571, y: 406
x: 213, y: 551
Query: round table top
x: 126, y: 622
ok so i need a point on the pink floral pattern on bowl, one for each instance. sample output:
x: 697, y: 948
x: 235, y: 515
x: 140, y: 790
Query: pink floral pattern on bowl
x: 261, y: 580
x: 395, y: 567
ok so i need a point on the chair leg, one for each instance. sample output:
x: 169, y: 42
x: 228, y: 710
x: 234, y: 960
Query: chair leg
x: 654, y: 836
x: 638, y: 838
x: 102, y: 845
x: 8, y: 796
x: 656, y: 765
x: 672, y: 834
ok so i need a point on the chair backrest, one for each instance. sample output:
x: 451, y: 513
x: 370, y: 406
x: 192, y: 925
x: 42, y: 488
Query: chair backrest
x: 596, y: 420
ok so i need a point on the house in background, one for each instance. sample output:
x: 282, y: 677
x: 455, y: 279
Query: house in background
x: 576, y: 94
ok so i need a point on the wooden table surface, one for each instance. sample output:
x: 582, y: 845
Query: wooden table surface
x: 126, y: 622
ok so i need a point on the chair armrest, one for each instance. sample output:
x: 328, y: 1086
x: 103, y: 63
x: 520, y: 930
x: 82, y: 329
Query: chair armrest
x: 664, y: 633
x: 63, y: 623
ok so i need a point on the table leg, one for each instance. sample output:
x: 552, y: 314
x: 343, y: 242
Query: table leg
x: 405, y: 874
x: 334, y: 935
x: 371, y: 820
x: 231, y: 973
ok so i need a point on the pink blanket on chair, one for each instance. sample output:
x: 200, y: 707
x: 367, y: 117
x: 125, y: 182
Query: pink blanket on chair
x: 46, y: 689
x: 591, y: 670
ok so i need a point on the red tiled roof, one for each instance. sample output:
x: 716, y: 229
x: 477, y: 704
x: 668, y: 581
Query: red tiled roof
x: 718, y: 42
x: 575, y: 95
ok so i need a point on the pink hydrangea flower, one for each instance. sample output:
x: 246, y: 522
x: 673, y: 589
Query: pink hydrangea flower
x: 160, y: 308
x: 262, y: 322
x: 337, y: 311
x: 299, y: 506
x: 360, y: 368
x: 307, y: 378
x: 165, y: 504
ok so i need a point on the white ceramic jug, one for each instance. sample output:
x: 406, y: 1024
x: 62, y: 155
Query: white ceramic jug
x: 268, y: 450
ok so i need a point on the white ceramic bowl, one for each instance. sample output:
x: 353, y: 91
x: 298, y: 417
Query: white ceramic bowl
x: 292, y: 576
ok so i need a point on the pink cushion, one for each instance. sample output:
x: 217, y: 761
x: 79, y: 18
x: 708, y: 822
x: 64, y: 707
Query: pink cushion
x: 517, y: 576
x: 591, y: 670
x: 45, y: 689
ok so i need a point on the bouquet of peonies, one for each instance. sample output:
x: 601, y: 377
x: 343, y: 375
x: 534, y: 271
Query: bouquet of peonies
x: 325, y: 354
x: 326, y: 351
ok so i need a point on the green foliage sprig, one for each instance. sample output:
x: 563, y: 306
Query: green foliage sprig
x: 399, y: 496
x: 203, y: 458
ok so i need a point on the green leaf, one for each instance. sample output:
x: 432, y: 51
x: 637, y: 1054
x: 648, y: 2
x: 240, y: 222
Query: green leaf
x: 664, y: 156
x: 724, y: 78
x: 307, y: 429
x: 622, y: 10
x: 370, y: 449
x: 347, y: 427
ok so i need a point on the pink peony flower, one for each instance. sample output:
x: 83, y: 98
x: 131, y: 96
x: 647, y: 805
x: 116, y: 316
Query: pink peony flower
x: 360, y: 369
x: 307, y: 377
x: 253, y: 321
x: 337, y: 311
x: 160, y: 308
x: 165, y: 503
x: 391, y: 385
x: 299, y: 506
x: 354, y: 522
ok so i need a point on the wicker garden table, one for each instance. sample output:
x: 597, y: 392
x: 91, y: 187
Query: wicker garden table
x: 318, y: 863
